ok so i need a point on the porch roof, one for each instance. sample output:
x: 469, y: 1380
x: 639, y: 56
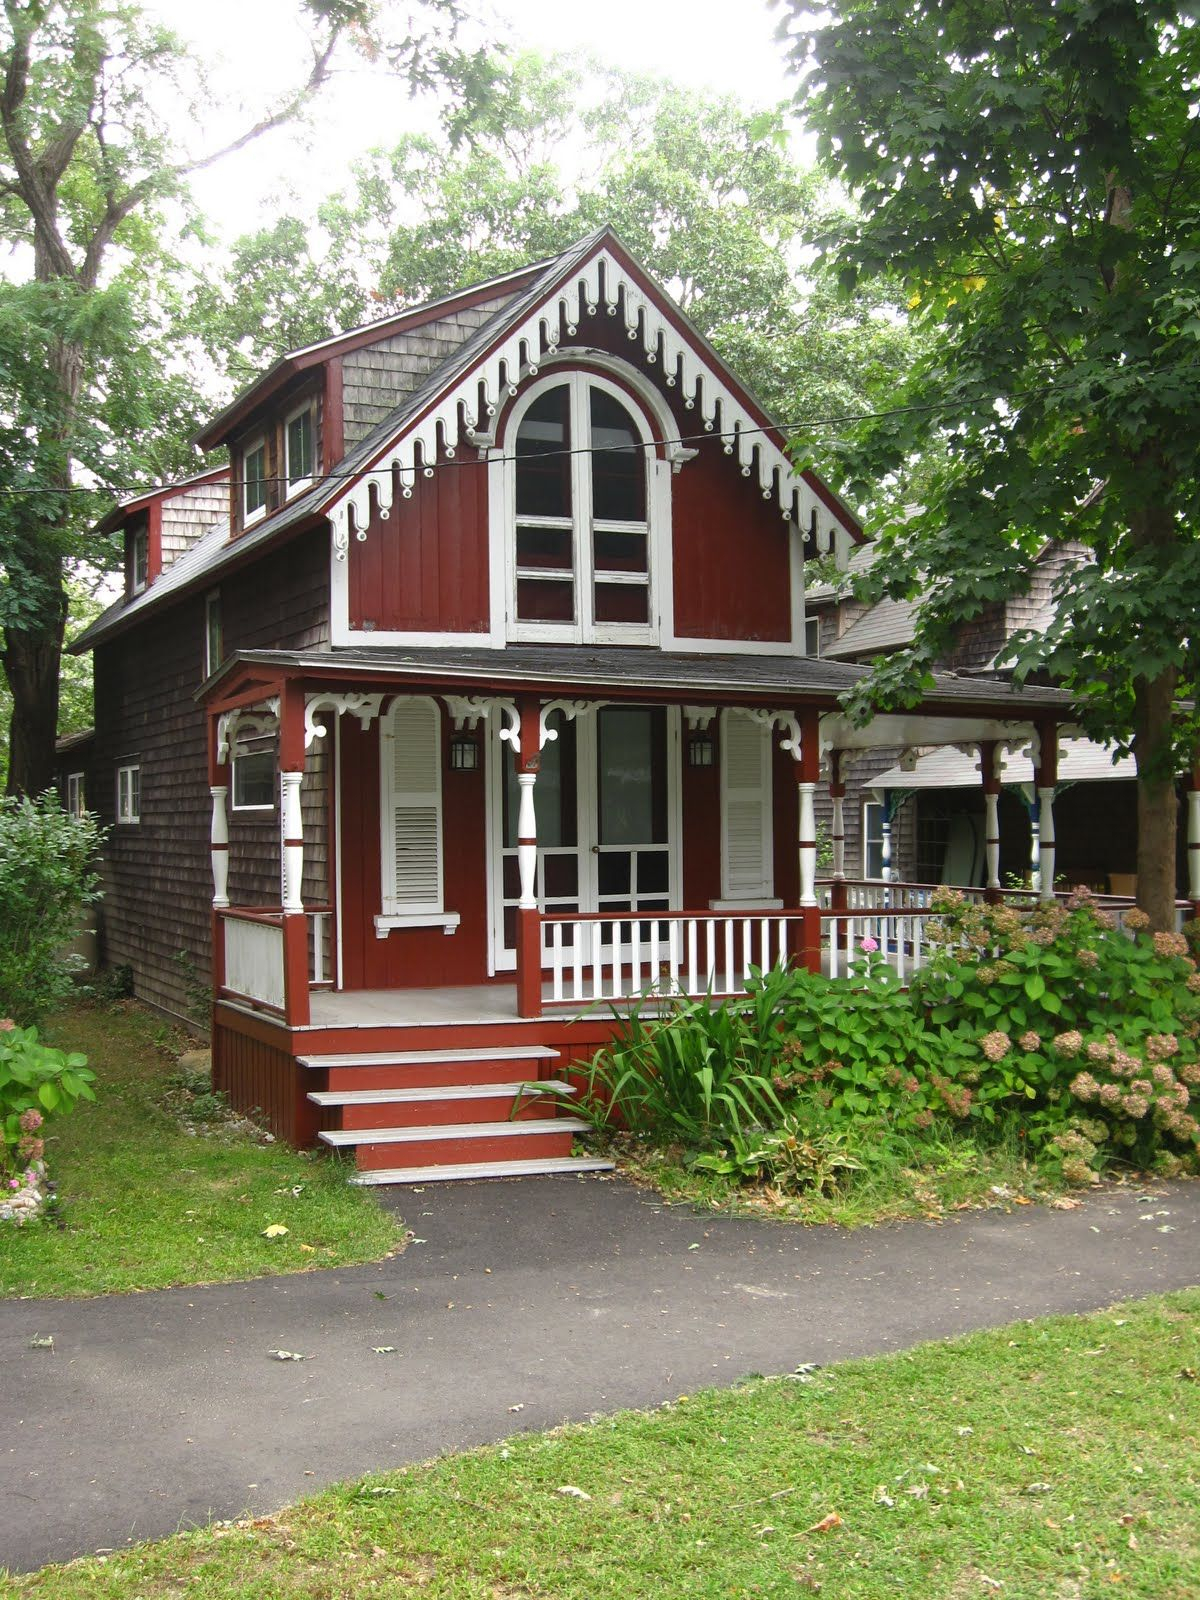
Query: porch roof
x: 629, y: 670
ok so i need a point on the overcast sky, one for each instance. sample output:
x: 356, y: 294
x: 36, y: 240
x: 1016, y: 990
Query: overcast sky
x: 258, y: 44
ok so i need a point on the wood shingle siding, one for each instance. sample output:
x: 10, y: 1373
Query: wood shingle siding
x: 187, y: 515
x: 157, y: 873
x: 376, y: 378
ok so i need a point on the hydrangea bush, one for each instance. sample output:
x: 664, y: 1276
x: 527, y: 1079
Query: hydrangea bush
x: 1089, y: 1029
x: 36, y: 1083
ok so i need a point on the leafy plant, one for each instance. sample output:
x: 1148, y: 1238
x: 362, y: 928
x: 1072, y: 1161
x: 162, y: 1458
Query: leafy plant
x: 47, y: 876
x: 700, y: 1072
x: 36, y: 1082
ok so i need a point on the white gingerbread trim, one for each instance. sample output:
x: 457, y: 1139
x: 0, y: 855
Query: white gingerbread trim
x: 460, y: 412
x: 260, y: 718
x: 363, y: 706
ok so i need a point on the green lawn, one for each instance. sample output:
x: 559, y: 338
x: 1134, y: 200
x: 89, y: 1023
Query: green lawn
x: 1053, y: 1460
x: 144, y: 1204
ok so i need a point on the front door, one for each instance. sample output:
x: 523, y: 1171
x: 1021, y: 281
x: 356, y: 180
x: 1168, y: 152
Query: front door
x: 608, y: 820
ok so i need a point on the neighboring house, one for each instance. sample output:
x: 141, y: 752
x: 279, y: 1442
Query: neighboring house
x: 483, y: 700
x: 923, y: 811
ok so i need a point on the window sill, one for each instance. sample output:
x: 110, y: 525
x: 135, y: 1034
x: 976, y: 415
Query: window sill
x: 447, y: 921
x: 745, y: 905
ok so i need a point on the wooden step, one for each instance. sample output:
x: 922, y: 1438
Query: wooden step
x: 450, y: 1091
x: 456, y: 1103
x: 418, y: 1058
x: 462, y: 1171
x: 464, y: 1130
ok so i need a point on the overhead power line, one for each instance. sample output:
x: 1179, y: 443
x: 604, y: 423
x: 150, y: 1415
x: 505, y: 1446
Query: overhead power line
x: 137, y: 491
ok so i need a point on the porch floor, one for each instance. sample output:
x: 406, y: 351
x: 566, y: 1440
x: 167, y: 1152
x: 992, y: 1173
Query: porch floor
x: 423, y: 1008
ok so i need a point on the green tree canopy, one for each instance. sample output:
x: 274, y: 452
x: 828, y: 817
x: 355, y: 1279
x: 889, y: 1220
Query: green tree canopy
x: 1034, y: 172
x: 703, y: 190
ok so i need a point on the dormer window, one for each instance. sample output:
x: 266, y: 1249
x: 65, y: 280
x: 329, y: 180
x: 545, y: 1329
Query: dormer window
x: 582, y: 461
x: 139, y: 558
x: 299, y: 448
x: 254, y: 481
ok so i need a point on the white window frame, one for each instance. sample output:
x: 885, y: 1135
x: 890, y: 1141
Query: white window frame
x: 584, y: 629
x: 212, y: 603
x: 139, y: 540
x: 75, y: 795
x: 433, y: 914
x: 238, y: 757
x: 259, y: 442
x: 812, y: 636
x: 869, y: 838
x: 295, y: 485
x: 129, y: 793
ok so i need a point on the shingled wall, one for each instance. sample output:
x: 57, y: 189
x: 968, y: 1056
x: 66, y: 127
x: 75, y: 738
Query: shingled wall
x: 157, y: 873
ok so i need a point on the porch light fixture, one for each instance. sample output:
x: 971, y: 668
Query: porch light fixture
x: 464, y: 753
x: 701, y: 750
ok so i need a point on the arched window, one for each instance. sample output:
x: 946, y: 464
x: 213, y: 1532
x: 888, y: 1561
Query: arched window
x: 581, y: 549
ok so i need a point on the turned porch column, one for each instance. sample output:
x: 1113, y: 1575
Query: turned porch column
x: 526, y: 743
x: 990, y: 756
x: 808, y: 766
x: 1193, y: 838
x: 837, y: 829
x: 1045, y: 779
x: 291, y: 854
x: 218, y: 781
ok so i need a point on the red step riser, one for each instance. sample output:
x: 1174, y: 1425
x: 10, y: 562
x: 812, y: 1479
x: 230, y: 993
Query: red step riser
x: 425, y: 1113
x: 452, y: 1152
x: 433, y: 1075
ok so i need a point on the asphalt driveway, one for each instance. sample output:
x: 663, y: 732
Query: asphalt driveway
x: 562, y: 1296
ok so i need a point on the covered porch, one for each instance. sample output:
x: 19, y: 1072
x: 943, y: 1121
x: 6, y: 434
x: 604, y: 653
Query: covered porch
x: 498, y: 836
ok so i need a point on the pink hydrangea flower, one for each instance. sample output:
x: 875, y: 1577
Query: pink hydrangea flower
x: 869, y: 945
x: 1029, y: 1040
x: 995, y: 1045
x: 1068, y: 1044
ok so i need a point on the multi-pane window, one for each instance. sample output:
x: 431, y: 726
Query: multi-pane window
x: 139, y: 559
x: 129, y: 793
x: 254, y: 480
x: 581, y: 554
x: 812, y: 636
x: 299, y: 447
x: 214, y: 644
x: 254, y: 773
x: 75, y: 797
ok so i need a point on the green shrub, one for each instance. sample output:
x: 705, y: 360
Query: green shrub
x: 47, y: 875
x: 701, y: 1072
x: 36, y: 1083
x: 1091, y: 1031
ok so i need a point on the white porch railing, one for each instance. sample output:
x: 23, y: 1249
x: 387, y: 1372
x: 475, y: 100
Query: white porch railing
x: 619, y: 957
x: 898, y: 936
x: 254, y: 964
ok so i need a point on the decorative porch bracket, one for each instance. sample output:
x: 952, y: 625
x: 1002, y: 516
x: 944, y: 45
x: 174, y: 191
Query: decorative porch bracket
x: 571, y: 709
x: 262, y: 717
x: 363, y: 706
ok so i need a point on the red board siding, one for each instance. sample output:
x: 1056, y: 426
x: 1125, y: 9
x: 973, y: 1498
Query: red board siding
x: 264, y: 1080
x: 411, y: 957
x: 732, y: 575
x: 425, y: 569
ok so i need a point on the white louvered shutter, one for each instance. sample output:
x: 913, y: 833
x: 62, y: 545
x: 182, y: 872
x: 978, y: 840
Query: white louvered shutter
x: 412, y: 794
x: 746, y: 838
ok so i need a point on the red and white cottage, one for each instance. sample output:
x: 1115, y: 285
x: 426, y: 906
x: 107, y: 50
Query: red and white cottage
x: 485, y: 705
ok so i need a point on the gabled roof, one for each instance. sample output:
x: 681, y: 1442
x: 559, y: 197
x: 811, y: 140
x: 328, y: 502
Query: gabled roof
x: 538, y: 318
x: 139, y: 502
x: 597, y: 271
x: 886, y: 626
x: 307, y: 356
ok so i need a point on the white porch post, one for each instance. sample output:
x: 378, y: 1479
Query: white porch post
x: 1046, y: 777
x: 219, y: 841
x: 885, y: 850
x: 1193, y: 839
x: 527, y: 745
x: 837, y: 801
x: 527, y: 841
x: 808, y: 843
x: 990, y: 755
x: 292, y: 841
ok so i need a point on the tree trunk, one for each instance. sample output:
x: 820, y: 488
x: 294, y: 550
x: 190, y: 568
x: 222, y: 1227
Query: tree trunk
x: 1156, y: 802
